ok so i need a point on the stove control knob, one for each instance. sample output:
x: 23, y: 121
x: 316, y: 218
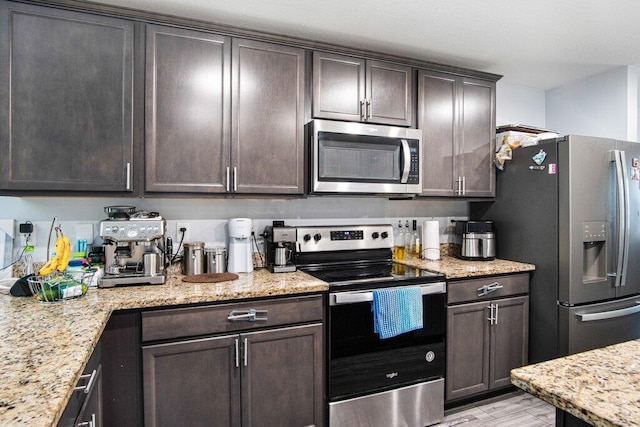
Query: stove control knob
x: 384, y: 234
x: 307, y: 237
x: 375, y: 235
x: 317, y: 237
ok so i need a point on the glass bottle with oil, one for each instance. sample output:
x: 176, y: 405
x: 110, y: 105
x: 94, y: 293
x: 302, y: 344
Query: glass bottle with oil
x: 416, y: 245
x: 398, y: 242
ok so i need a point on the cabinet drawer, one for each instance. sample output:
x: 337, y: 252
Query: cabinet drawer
x: 213, y: 319
x: 496, y: 287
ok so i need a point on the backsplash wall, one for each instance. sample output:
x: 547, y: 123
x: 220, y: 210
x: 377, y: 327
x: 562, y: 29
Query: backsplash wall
x: 207, y: 218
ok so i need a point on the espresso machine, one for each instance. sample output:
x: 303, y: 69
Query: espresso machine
x: 280, y: 243
x: 132, y: 242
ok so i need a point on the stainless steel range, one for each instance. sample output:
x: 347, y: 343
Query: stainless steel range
x: 374, y: 381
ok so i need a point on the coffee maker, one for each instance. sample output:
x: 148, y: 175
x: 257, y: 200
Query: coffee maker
x: 240, y: 253
x: 280, y: 248
x: 132, y: 243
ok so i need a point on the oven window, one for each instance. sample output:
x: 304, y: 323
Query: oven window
x: 354, y: 157
x: 351, y: 329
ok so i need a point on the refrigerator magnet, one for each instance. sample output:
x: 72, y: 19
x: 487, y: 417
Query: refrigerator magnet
x: 635, y: 174
x: 539, y: 158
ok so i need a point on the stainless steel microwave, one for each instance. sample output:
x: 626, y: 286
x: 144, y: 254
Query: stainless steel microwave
x: 359, y: 158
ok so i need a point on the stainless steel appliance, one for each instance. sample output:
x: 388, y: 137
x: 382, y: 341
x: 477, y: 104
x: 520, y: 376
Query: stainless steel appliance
x: 477, y: 240
x: 132, y: 244
x: 280, y: 245
x: 360, y: 158
x: 373, y: 381
x: 570, y: 206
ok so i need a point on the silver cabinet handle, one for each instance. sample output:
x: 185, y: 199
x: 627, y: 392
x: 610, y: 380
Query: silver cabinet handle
x: 464, y: 185
x: 490, y: 318
x: 91, y: 423
x: 235, y: 179
x: 495, y: 316
x: 128, y: 178
x: 487, y: 289
x: 369, y: 114
x: 228, y: 182
x: 604, y: 315
x: 237, y: 345
x: 363, y: 112
x: 246, y: 352
x: 89, y: 385
x: 458, y: 186
x: 251, y: 315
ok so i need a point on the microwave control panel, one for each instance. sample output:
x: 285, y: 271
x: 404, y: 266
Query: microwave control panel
x: 414, y: 169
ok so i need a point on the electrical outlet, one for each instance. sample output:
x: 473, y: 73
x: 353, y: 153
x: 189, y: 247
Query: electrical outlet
x: 179, y: 233
x: 31, y: 238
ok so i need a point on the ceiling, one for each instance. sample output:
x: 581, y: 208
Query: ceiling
x: 540, y: 44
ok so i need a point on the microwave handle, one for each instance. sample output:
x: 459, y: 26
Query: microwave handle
x: 407, y: 161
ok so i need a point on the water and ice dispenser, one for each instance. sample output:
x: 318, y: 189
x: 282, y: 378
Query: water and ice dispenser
x: 594, y: 251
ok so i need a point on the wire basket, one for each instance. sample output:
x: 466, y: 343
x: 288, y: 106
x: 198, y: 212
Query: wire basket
x: 60, y: 286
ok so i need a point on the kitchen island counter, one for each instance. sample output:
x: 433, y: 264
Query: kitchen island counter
x: 601, y: 387
x: 44, y: 347
x: 455, y: 268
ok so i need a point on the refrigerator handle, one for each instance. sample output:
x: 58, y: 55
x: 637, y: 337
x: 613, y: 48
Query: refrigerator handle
x: 590, y: 317
x: 622, y: 217
x: 627, y: 217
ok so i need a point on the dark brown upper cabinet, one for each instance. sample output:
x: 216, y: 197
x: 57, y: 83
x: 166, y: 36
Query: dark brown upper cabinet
x: 457, y: 117
x: 223, y: 115
x: 66, y: 94
x: 362, y: 90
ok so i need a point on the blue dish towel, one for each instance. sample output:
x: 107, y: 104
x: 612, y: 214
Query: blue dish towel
x: 396, y: 311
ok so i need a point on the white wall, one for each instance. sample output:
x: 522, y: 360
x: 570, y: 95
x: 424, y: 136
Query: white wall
x: 604, y: 105
x: 519, y: 105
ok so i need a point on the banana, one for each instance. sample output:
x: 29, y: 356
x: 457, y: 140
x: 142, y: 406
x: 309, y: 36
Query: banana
x: 62, y: 252
x: 66, y: 254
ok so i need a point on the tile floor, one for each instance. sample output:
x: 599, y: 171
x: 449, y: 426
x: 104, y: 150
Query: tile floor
x: 513, y: 409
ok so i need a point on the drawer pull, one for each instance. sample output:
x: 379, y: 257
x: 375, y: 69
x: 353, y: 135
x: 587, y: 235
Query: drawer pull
x: 487, y: 289
x: 87, y: 388
x: 251, y: 315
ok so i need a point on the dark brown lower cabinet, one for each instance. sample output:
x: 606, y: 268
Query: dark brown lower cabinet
x: 485, y: 338
x: 269, y: 377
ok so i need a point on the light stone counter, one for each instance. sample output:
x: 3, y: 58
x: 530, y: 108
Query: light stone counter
x: 455, y: 268
x: 44, y: 347
x: 601, y: 387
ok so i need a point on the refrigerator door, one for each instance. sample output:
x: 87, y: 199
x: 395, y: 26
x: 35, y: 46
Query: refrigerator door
x: 630, y: 157
x: 597, y: 325
x: 585, y: 237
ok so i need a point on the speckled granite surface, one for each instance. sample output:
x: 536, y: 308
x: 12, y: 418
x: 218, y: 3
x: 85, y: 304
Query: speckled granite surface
x: 455, y: 268
x: 44, y: 347
x: 601, y: 387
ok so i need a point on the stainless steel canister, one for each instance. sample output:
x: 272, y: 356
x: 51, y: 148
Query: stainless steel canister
x: 193, y: 258
x: 216, y: 260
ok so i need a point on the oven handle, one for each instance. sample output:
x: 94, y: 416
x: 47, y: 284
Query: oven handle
x: 407, y: 161
x: 341, y: 298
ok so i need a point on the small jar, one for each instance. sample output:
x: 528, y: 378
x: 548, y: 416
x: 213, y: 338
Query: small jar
x: 193, y: 258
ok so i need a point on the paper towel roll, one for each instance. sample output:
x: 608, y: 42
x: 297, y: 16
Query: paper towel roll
x: 431, y: 240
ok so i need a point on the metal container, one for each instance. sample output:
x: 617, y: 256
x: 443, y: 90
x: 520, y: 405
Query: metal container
x: 193, y: 258
x: 216, y: 260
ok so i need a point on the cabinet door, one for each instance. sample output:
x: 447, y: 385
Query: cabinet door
x: 187, y: 139
x: 282, y: 380
x: 390, y: 94
x: 438, y: 119
x: 338, y: 87
x: 66, y: 89
x: 192, y: 383
x: 477, y: 141
x: 467, y: 350
x: 509, y: 339
x: 267, y: 154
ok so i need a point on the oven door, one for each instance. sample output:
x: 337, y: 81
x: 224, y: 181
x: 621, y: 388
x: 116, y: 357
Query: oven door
x: 361, y: 363
x: 359, y: 158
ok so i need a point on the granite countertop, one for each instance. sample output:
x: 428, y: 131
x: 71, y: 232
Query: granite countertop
x: 455, y: 268
x: 44, y: 347
x: 601, y: 387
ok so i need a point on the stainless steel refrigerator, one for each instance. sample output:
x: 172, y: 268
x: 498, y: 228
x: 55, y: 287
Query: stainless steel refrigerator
x: 575, y: 214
